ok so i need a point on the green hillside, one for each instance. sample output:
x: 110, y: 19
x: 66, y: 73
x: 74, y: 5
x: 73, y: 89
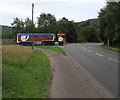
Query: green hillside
x: 90, y: 21
x: 88, y: 31
x: 7, y: 32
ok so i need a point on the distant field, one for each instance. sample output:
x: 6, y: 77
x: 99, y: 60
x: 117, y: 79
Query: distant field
x: 26, y: 72
x: 53, y: 48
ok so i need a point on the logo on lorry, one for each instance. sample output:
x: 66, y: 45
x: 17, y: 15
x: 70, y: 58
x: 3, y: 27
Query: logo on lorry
x: 24, y: 37
x: 60, y: 39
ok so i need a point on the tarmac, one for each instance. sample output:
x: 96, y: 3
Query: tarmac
x: 69, y: 80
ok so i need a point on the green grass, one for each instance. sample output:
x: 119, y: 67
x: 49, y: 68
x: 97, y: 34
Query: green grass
x: 16, y: 54
x: 111, y: 48
x: 28, y: 81
x: 54, y: 48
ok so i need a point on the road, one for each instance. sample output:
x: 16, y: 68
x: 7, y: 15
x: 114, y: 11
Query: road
x: 69, y: 80
x: 100, y: 63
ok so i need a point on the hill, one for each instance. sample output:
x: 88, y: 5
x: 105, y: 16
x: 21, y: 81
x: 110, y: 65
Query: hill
x: 90, y: 21
x: 7, y: 32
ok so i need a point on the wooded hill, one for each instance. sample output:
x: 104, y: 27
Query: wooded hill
x: 7, y: 32
x: 91, y: 21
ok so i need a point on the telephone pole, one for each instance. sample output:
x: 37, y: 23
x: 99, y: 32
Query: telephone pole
x: 32, y: 23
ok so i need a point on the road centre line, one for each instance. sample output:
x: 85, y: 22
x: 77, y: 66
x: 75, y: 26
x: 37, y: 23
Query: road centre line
x: 114, y: 59
x: 98, y: 54
x: 102, y: 55
x: 94, y: 52
x: 90, y: 51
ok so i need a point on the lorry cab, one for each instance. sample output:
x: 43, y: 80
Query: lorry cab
x: 61, y: 39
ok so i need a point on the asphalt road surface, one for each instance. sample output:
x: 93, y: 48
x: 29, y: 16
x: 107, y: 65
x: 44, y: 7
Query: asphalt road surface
x: 100, y: 63
x: 70, y: 80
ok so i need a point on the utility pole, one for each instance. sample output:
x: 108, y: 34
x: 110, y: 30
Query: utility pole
x: 32, y: 23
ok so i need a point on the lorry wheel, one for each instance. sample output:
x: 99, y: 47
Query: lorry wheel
x: 45, y: 43
x: 53, y: 44
x: 61, y: 43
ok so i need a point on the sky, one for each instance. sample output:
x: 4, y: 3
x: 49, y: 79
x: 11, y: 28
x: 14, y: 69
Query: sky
x: 77, y: 10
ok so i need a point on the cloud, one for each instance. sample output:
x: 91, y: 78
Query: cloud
x: 52, y: 1
x: 76, y: 10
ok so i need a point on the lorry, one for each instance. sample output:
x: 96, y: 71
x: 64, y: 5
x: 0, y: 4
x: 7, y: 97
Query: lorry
x: 41, y: 38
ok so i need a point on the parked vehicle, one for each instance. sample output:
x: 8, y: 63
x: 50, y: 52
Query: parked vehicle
x: 40, y: 38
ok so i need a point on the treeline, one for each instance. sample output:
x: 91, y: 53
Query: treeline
x: 47, y: 23
x: 7, y: 32
x: 104, y: 29
x: 88, y: 31
x: 109, y: 18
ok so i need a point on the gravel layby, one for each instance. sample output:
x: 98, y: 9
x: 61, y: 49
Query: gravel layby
x: 70, y: 80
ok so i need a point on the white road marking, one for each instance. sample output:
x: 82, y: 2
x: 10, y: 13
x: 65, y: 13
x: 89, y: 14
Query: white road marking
x: 102, y: 55
x: 98, y: 54
x: 113, y: 59
x: 90, y: 51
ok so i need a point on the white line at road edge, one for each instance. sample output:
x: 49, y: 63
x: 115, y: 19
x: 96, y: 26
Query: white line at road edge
x: 114, y: 59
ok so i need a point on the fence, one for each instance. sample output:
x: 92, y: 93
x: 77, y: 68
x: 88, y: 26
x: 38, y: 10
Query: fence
x: 8, y: 41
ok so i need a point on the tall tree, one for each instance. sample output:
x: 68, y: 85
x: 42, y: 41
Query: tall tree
x: 91, y: 34
x: 28, y: 25
x: 47, y: 23
x: 18, y: 25
x: 109, y: 23
x: 67, y: 27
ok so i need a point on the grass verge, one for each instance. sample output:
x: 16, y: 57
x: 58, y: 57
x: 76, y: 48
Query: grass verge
x: 26, y: 75
x: 53, y: 48
x: 111, y: 48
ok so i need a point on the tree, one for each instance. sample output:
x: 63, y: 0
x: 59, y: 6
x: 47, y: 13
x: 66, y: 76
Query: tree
x: 109, y: 23
x: 47, y: 23
x: 28, y: 25
x: 7, y: 32
x: 91, y: 34
x: 18, y: 25
x: 88, y: 31
x: 67, y: 27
